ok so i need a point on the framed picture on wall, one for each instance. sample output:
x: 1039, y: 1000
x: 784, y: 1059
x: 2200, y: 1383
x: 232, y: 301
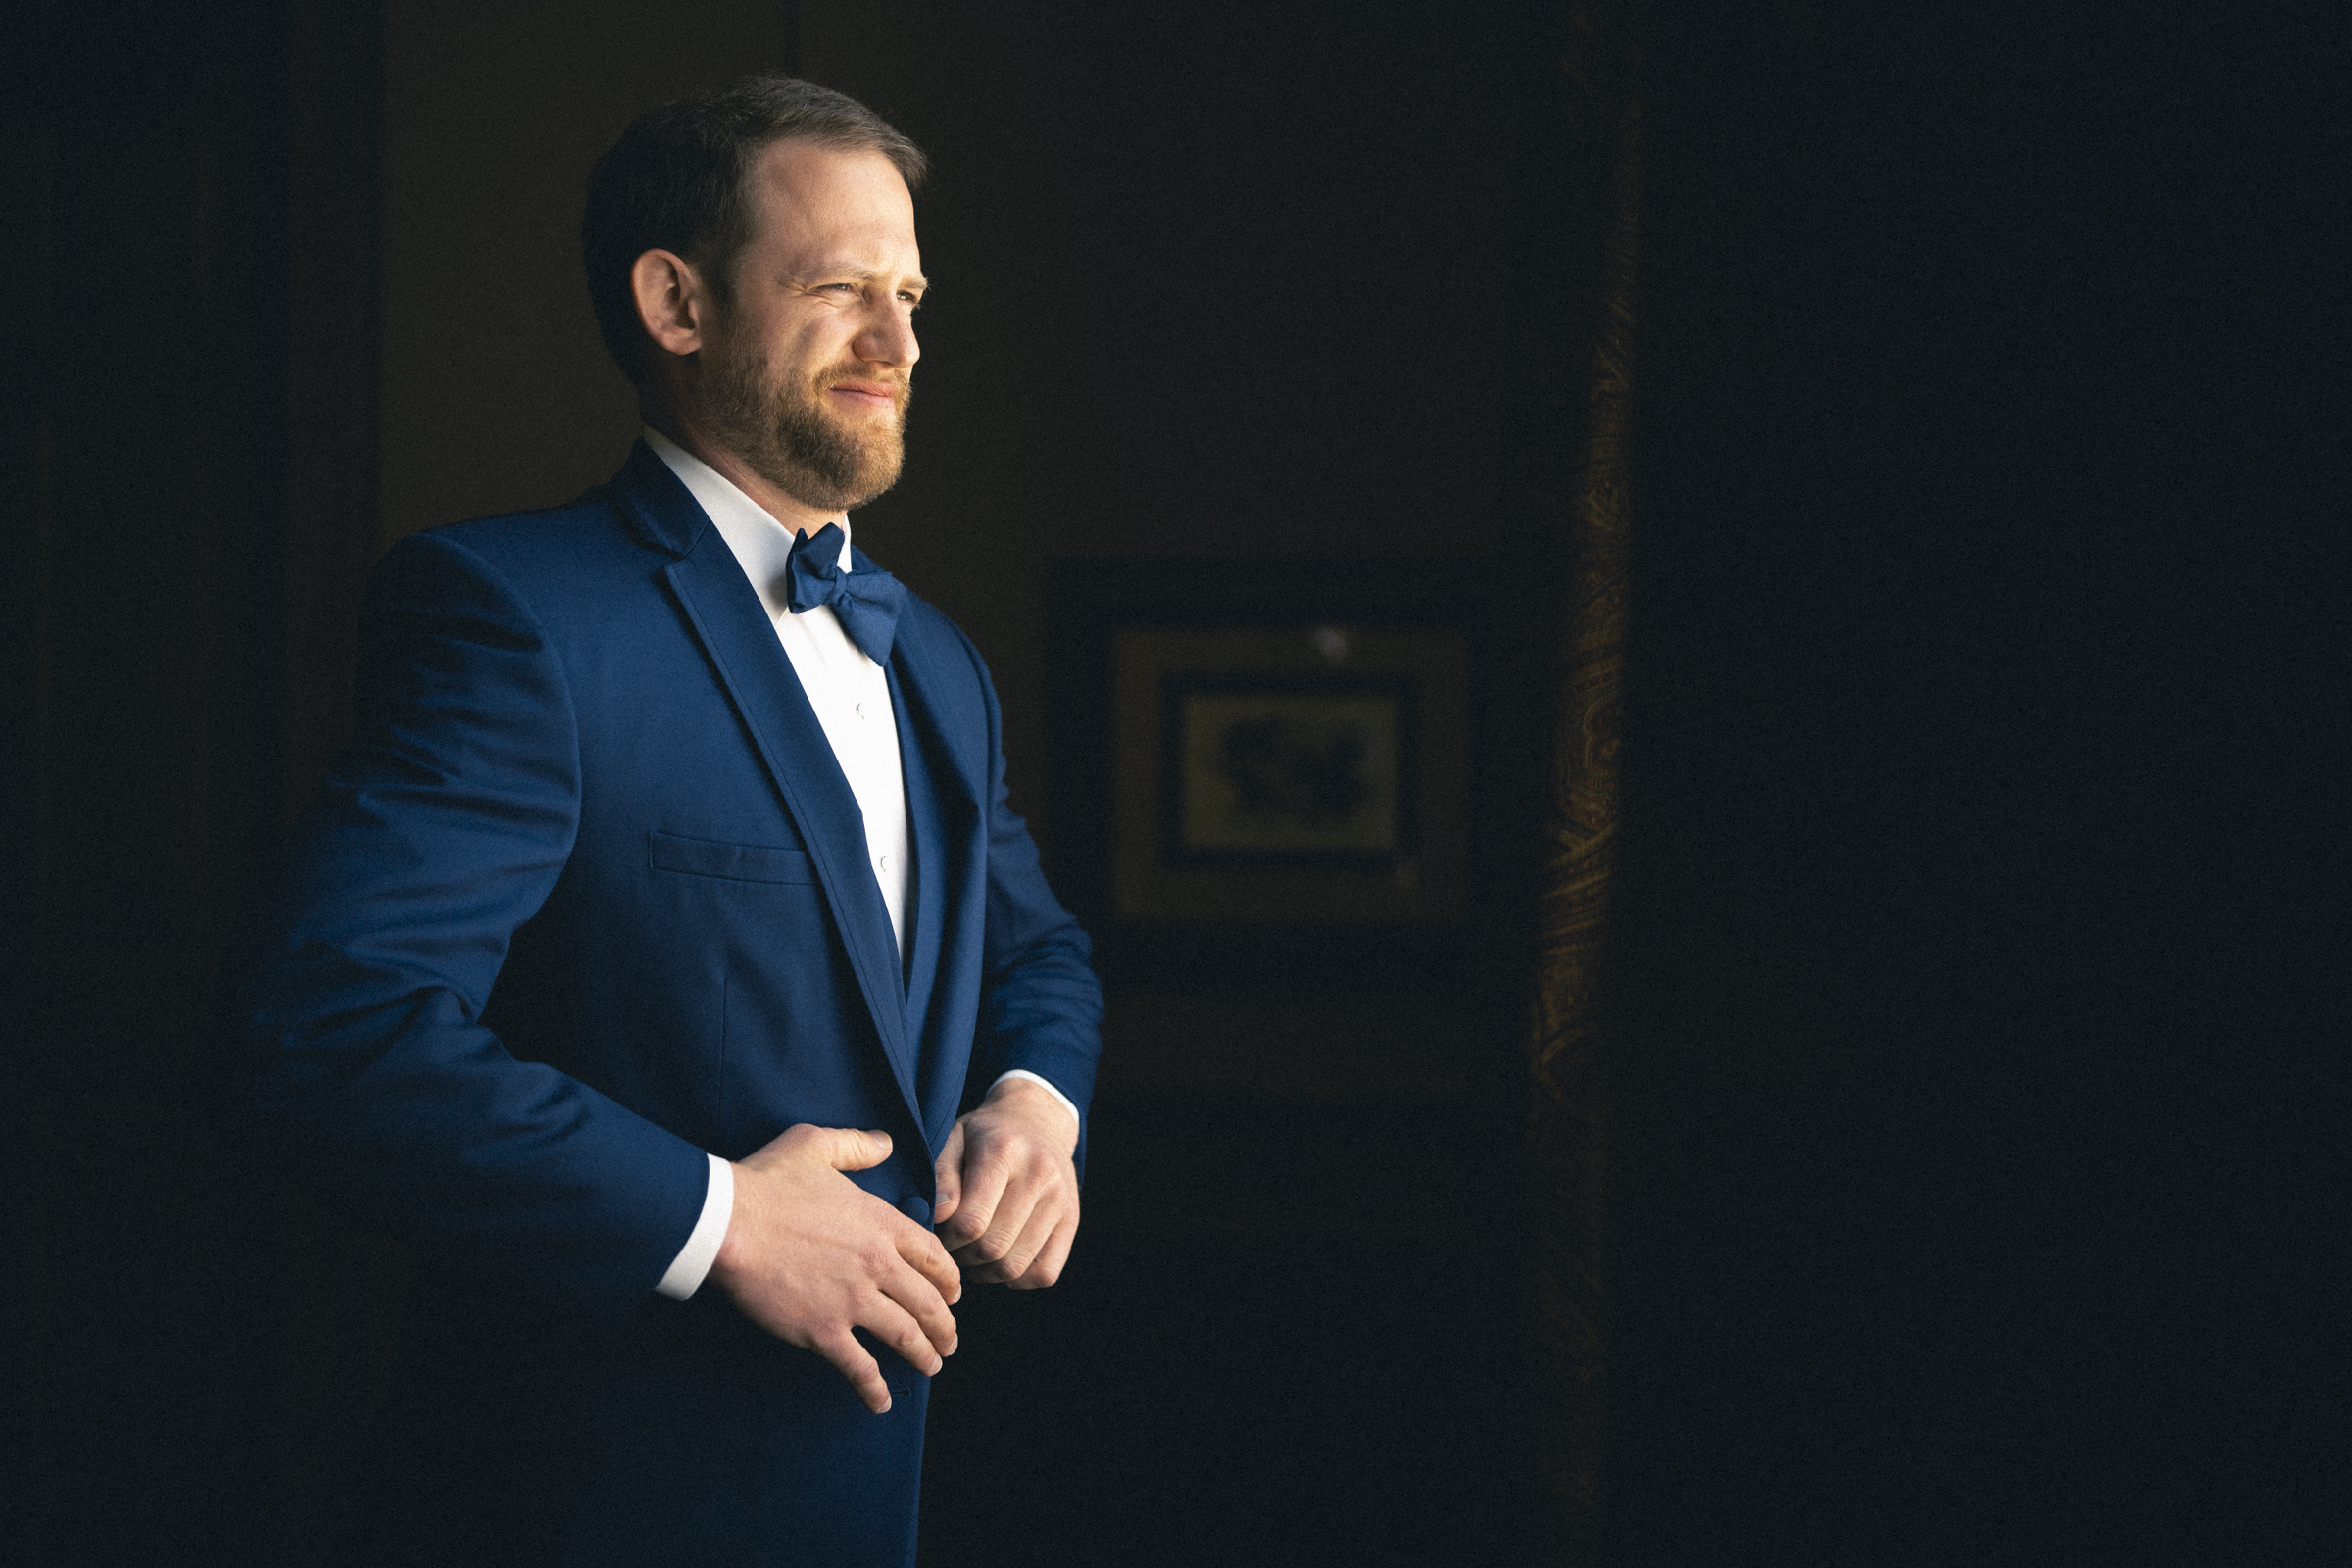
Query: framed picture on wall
x: 1258, y: 769
x: 1303, y: 774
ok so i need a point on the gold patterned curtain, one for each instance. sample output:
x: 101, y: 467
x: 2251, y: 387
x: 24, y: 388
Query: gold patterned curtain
x: 1568, y: 1046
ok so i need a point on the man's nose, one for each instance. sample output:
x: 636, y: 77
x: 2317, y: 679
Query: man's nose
x: 890, y: 340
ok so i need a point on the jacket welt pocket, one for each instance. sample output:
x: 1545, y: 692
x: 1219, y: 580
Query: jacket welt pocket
x: 733, y: 862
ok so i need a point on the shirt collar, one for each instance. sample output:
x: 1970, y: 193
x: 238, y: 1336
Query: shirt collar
x: 762, y: 544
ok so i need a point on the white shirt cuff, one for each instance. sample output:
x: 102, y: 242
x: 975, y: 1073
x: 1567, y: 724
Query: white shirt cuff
x: 692, y: 1265
x: 1023, y: 1072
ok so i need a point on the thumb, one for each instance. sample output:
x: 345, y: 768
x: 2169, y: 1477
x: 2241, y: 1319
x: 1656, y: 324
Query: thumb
x: 947, y: 1177
x: 848, y: 1149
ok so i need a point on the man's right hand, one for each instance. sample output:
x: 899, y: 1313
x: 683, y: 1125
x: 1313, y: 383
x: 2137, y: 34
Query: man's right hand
x: 809, y: 1255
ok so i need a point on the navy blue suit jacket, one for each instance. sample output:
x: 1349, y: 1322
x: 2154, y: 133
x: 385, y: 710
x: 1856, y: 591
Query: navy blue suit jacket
x: 587, y: 897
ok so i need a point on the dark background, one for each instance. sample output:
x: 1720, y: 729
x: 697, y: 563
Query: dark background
x: 1980, y: 967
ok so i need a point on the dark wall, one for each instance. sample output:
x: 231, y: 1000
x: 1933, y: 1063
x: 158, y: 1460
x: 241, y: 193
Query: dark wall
x: 496, y: 392
x: 1978, y: 895
x: 189, y: 202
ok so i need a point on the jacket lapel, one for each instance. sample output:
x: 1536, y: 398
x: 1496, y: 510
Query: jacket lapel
x: 943, y: 809
x: 733, y: 626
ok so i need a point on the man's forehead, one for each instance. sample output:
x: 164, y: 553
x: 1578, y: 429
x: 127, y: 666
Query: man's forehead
x: 806, y: 182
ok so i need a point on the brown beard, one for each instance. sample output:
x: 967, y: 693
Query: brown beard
x: 785, y: 434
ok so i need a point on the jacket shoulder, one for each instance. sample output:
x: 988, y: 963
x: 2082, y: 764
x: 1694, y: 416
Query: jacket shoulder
x: 586, y: 524
x: 560, y: 559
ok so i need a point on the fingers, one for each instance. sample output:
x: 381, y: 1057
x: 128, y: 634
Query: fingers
x: 929, y: 1257
x: 988, y: 1253
x: 1015, y: 1199
x: 1024, y: 1223
x: 809, y: 1256
x: 982, y: 1191
x: 1051, y: 1259
x: 909, y: 1317
x: 946, y: 1176
x: 848, y: 1149
x: 904, y: 1313
x: 920, y: 1291
x: 839, y: 1147
x: 863, y: 1372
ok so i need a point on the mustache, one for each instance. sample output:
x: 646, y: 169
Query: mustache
x: 901, y: 386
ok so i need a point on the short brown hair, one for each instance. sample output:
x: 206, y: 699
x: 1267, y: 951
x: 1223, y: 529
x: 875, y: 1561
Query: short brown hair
x: 678, y: 180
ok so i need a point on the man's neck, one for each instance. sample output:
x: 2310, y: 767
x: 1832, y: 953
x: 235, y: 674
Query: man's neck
x: 796, y: 515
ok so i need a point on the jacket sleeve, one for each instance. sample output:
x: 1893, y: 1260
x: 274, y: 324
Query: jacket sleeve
x: 1041, y: 1008
x: 362, y: 1062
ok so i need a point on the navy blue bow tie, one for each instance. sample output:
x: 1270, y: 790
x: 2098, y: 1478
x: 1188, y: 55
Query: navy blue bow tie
x: 866, y: 602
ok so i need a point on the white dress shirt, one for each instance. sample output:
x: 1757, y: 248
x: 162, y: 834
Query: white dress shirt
x: 851, y: 695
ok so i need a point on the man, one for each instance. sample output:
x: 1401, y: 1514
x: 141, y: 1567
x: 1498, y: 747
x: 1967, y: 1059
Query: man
x: 663, y: 955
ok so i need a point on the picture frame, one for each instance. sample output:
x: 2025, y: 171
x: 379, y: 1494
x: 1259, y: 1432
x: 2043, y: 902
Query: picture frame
x: 1259, y: 770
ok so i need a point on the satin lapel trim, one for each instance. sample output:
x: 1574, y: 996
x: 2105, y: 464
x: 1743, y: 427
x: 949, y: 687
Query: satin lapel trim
x: 941, y: 805
x: 926, y: 810
x: 919, y: 658
x: 734, y: 628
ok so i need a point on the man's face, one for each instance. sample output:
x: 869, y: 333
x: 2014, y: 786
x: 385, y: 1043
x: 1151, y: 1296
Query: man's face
x: 804, y: 375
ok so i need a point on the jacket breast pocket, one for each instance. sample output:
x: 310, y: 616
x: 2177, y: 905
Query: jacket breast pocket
x: 731, y: 863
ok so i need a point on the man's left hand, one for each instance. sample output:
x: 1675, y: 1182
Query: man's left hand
x: 1008, y: 1203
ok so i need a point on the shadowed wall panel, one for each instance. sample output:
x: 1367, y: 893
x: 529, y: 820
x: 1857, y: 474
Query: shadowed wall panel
x: 145, y: 444
x: 498, y: 394
x: 1214, y: 280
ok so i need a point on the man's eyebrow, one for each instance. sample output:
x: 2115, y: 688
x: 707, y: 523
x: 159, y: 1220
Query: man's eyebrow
x: 861, y: 275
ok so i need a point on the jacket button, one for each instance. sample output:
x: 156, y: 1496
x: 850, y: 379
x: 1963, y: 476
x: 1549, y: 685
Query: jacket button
x: 917, y: 1210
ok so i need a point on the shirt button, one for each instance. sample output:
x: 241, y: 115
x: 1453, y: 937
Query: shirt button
x: 884, y: 862
x: 861, y: 710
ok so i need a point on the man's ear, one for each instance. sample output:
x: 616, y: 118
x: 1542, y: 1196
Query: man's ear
x: 672, y: 302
